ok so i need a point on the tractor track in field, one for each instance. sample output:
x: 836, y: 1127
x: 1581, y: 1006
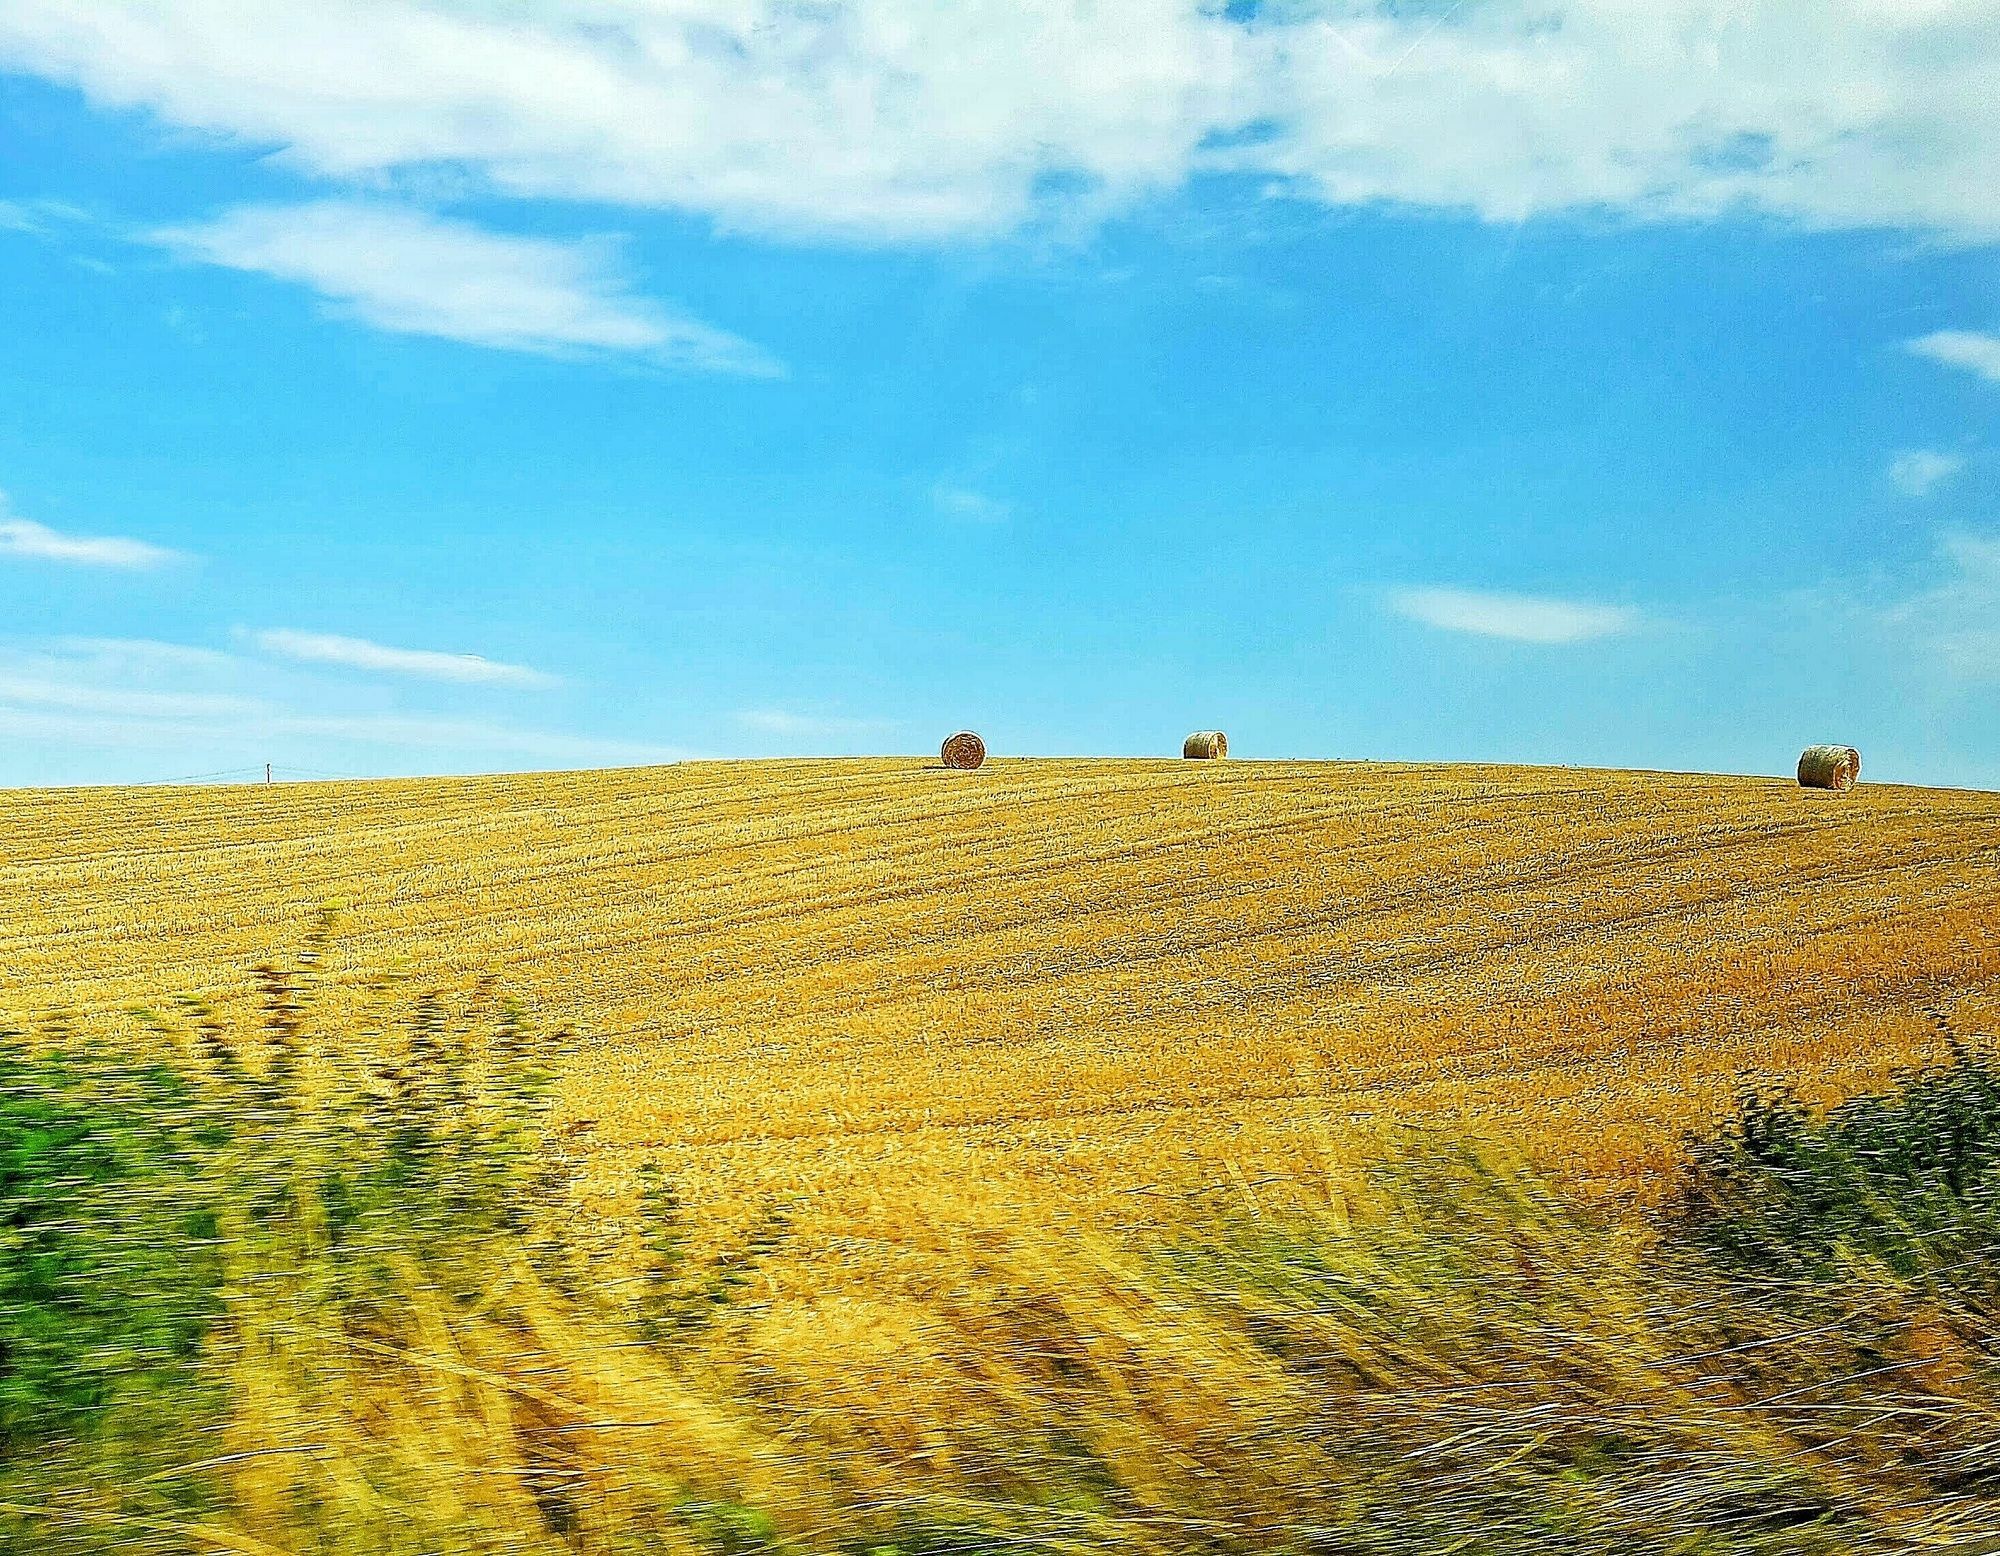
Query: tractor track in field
x: 1140, y: 959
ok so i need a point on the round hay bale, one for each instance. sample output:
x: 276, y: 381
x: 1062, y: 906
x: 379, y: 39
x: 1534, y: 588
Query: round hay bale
x: 1205, y: 745
x: 964, y: 751
x: 1829, y: 767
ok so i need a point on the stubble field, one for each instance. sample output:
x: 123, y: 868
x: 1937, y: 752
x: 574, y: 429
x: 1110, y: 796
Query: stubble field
x: 906, y: 1004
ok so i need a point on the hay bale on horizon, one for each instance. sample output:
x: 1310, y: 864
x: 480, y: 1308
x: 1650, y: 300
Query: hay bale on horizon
x: 1829, y: 767
x: 963, y: 751
x: 1205, y: 745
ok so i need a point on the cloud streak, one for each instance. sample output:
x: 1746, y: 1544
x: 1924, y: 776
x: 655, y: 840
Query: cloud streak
x: 263, y: 727
x: 412, y: 273
x: 327, y: 648
x: 201, y: 707
x: 969, y: 506
x: 72, y: 697
x: 41, y: 218
x: 1955, y: 621
x: 1967, y: 349
x: 38, y: 543
x: 1521, y: 618
x: 1918, y: 472
x: 906, y: 120
x: 783, y: 721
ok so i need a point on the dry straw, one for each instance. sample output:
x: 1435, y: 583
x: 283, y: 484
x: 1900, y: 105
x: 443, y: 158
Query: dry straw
x: 1205, y: 745
x: 1829, y: 767
x: 963, y: 751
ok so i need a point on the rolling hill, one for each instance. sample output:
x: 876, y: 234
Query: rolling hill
x: 907, y: 1001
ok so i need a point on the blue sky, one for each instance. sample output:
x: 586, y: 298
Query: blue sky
x: 443, y: 385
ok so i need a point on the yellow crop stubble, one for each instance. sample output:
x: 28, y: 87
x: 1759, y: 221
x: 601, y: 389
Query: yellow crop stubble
x: 912, y: 1004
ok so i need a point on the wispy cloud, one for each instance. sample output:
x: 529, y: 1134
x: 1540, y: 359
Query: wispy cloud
x: 71, y: 696
x: 1957, y: 621
x: 905, y: 119
x: 201, y: 707
x: 41, y: 218
x: 327, y: 648
x: 1969, y: 349
x: 405, y: 270
x: 263, y: 729
x: 783, y: 721
x: 422, y: 732
x: 1523, y: 618
x: 963, y: 503
x: 144, y: 656
x: 1918, y: 472
x: 39, y: 543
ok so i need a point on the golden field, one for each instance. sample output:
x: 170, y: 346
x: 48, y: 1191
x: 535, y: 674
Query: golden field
x: 906, y: 1003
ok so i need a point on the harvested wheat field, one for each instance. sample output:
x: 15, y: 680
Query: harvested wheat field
x: 906, y: 1002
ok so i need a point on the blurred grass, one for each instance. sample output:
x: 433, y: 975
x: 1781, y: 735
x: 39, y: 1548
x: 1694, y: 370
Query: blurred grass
x: 319, y: 1285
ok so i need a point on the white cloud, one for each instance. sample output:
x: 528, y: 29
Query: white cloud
x: 1920, y: 471
x: 81, y: 698
x: 900, y: 119
x: 1521, y: 617
x: 962, y: 502
x: 1856, y: 116
x: 39, y: 543
x: 196, y: 707
x: 1968, y: 349
x: 268, y: 729
x: 783, y: 721
x: 404, y: 270
x: 326, y: 648
x: 141, y: 655
x: 421, y: 732
x: 41, y: 218
x: 1958, y: 621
